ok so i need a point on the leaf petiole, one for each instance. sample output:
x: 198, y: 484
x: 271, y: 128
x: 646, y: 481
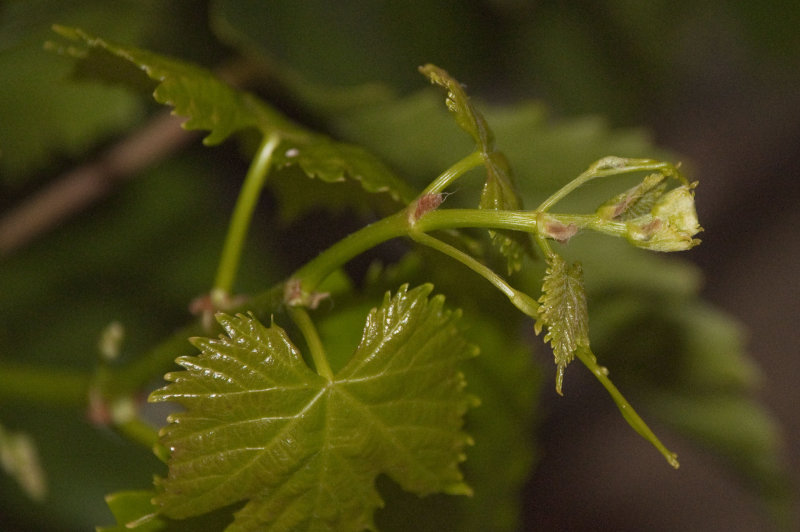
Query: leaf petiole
x: 588, y: 359
x: 240, y: 220
x: 303, y: 321
x: 446, y: 178
x: 609, y: 166
x: 526, y: 304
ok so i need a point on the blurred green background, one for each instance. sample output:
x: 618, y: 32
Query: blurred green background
x: 715, y: 82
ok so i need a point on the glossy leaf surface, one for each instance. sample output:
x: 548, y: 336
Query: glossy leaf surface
x: 261, y: 426
x: 563, y: 312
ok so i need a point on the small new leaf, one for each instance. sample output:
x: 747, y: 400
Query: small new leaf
x: 563, y: 312
x: 499, y: 191
x: 467, y: 116
x: 670, y: 225
x: 260, y: 426
x: 212, y: 105
x: 636, y: 201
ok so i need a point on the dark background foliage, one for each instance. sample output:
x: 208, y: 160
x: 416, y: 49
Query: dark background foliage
x: 715, y: 82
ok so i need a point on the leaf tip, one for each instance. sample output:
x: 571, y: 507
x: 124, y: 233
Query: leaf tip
x: 560, y: 378
x: 459, y: 488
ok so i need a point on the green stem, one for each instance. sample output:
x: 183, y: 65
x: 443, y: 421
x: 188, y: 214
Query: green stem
x: 521, y: 300
x: 607, y: 167
x: 303, y: 321
x: 45, y: 385
x: 637, y: 423
x: 397, y: 225
x: 242, y: 215
x: 485, y: 218
x: 591, y: 221
x: 450, y: 175
x: 315, y: 271
x: 544, y: 245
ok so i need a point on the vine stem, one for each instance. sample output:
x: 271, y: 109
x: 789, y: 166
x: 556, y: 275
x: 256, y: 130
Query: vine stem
x: 588, y: 359
x: 240, y: 220
x: 303, y: 321
x: 401, y: 224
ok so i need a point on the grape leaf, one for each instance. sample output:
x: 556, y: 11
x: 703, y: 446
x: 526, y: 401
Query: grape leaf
x: 467, y: 116
x: 261, y: 426
x: 563, y: 311
x: 508, y: 384
x: 499, y: 191
x: 634, y: 202
x: 212, y: 105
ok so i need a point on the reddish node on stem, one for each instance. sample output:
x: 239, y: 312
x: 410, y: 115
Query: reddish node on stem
x: 559, y: 231
x: 425, y: 204
x: 294, y: 296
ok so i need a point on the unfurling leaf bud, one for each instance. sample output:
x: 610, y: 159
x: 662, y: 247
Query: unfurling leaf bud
x: 670, y: 225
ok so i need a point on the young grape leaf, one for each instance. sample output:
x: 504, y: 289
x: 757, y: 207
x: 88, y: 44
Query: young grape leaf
x: 499, y: 191
x: 212, y: 105
x: 261, y: 427
x: 634, y: 202
x: 563, y: 312
x: 467, y: 115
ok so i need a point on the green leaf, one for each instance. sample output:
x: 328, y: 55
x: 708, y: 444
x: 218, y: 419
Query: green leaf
x: 467, y: 115
x: 212, y: 105
x: 508, y: 384
x: 499, y: 191
x: 194, y: 92
x: 261, y: 427
x: 133, y: 510
x: 331, y: 161
x: 636, y: 201
x: 563, y: 311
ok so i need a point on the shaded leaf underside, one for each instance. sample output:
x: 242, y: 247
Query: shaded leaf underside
x: 212, y: 105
